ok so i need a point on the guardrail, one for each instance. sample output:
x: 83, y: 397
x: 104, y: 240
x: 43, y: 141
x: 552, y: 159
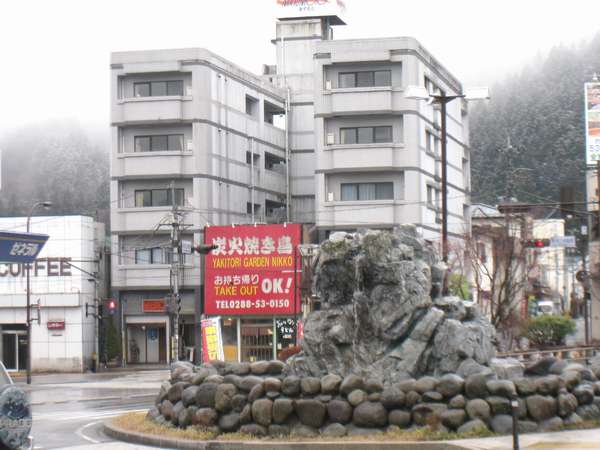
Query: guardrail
x: 578, y: 353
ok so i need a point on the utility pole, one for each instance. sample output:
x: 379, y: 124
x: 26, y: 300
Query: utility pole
x: 175, y: 269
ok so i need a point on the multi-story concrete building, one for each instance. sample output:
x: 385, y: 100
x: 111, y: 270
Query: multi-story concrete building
x: 190, y: 128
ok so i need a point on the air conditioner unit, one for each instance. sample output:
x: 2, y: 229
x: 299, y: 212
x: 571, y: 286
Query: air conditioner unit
x: 189, y: 145
x: 330, y: 138
x: 330, y: 197
x: 328, y: 85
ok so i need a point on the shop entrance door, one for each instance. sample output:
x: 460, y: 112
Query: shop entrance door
x: 257, y: 339
x: 14, y: 350
x: 147, y: 344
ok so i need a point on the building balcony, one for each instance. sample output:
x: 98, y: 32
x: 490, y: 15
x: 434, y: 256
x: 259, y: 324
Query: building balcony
x: 365, y: 213
x: 152, y: 109
x: 361, y: 100
x: 361, y: 156
x: 138, y: 219
x: 138, y: 275
x: 153, y: 164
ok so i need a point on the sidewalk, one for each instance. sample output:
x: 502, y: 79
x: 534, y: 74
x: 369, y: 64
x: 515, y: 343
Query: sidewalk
x: 563, y: 440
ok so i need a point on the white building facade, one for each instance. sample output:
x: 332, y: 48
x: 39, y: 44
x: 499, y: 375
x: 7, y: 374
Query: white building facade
x: 63, y: 340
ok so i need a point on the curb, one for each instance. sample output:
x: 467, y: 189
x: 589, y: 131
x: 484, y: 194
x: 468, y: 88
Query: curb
x: 167, y: 442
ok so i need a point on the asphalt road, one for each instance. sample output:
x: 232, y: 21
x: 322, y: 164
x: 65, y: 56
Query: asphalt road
x: 70, y: 413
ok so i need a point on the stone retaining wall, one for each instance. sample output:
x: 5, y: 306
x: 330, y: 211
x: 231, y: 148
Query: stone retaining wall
x: 260, y: 399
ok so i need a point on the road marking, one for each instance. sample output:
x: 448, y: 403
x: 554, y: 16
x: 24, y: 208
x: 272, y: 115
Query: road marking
x: 74, y: 415
x: 80, y: 430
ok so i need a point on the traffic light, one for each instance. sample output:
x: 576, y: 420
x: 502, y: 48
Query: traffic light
x: 112, y: 306
x: 203, y: 249
x: 535, y: 243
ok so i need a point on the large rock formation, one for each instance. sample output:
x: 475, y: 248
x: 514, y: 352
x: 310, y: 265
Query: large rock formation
x: 378, y: 317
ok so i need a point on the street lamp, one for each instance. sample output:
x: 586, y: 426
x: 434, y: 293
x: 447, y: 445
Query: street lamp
x: 421, y: 93
x: 46, y: 205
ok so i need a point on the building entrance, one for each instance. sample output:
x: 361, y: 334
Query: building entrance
x: 14, y: 349
x: 256, y: 339
x: 146, y: 343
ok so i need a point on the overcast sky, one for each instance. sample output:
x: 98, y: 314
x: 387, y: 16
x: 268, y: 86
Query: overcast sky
x: 55, y: 53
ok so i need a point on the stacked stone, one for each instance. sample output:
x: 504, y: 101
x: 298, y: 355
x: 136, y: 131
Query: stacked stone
x: 261, y: 400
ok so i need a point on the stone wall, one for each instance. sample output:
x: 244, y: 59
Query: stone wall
x: 260, y: 399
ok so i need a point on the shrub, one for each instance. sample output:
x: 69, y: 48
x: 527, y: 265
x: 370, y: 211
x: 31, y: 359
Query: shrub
x: 545, y: 331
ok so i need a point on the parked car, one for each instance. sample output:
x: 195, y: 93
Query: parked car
x: 15, y: 414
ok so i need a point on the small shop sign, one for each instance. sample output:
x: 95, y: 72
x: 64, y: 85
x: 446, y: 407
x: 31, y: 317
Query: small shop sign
x: 154, y: 305
x: 56, y: 324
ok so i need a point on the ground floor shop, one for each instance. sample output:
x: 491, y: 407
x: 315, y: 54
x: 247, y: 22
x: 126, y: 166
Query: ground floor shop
x: 257, y: 338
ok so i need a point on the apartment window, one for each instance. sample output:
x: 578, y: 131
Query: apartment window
x: 256, y: 208
x: 159, y: 143
x: 252, y: 158
x: 371, y: 78
x: 157, y: 197
x: 433, y: 197
x: 158, y: 88
x: 431, y: 143
x: 366, y: 135
x: 274, y: 163
x: 155, y: 255
x: 367, y: 191
x: 251, y: 106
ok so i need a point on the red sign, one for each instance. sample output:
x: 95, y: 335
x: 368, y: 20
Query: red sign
x: 252, y: 269
x: 56, y: 325
x: 154, y: 306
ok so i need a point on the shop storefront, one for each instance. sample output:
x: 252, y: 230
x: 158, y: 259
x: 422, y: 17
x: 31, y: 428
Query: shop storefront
x: 251, y: 286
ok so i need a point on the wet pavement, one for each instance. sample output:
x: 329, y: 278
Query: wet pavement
x: 69, y: 409
x: 562, y: 440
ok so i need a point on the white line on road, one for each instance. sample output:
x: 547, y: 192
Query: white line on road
x: 79, y: 432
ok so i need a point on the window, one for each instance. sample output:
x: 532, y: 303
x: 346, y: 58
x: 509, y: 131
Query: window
x: 249, y: 208
x: 158, y: 88
x: 431, y: 143
x: 433, y: 197
x: 155, y: 255
x: 366, y: 135
x: 274, y: 162
x: 159, y: 143
x: 157, y: 197
x: 252, y: 158
x: 370, y: 78
x: 251, y: 106
x: 367, y: 191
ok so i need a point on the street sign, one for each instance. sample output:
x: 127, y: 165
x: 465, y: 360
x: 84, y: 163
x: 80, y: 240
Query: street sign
x: 20, y: 247
x: 563, y: 241
x: 186, y: 247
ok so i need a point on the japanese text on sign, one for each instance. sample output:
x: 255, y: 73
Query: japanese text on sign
x: 251, y: 270
x: 212, y: 348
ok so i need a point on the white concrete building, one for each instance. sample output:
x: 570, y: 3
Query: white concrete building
x: 63, y: 339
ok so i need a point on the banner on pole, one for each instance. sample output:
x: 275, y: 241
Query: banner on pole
x: 253, y: 270
x: 592, y: 122
x: 212, y: 340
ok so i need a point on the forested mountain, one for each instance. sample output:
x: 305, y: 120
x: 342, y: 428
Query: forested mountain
x: 57, y: 161
x: 529, y: 140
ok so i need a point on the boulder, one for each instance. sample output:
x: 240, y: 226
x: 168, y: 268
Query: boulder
x: 205, y: 395
x: 499, y: 405
x: 374, y: 397
x: 432, y: 397
x: 330, y: 384
x: 567, y: 404
x: 334, y: 430
x: 185, y: 416
x: 256, y: 392
x: 310, y: 412
x: 478, y: 409
x: 476, y: 386
x: 392, y: 397
x: 272, y: 384
x: 166, y: 409
x: 407, y: 385
x: 177, y: 408
x: 373, y: 385
x: 558, y: 367
x: 548, y: 385
x: 399, y: 418
x: 262, y: 412
x: 276, y: 367
x: 427, y: 413
x: 276, y: 430
x: 241, y: 368
x: 453, y: 418
x: 249, y: 382
x: 502, y: 424
x: 588, y: 412
x: 471, y: 367
x: 310, y: 385
x: 282, y: 408
x: 246, y: 414
x: 472, y: 426
x: 253, y: 429
x: 216, y: 379
x: 205, y: 417
x: 339, y: 411
x: 259, y: 367
x: 457, y: 402
x: 229, y: 422
x: 291, y: 386
x: 541, y: 407
x: 369, y: 415
x: 223, y: 397
x: 238, y: 402
x: 412, y: 398
x: 356, y: 397
x: 303, y: 431
x: 425, y: 384
x: 351, y: 383
x: 501, y: 388
x: 584, y: 394
x: 506, y: 368
x: 525, y: 386
x: 572, y: 419
x: 176, y: 391
x: 527, y: 426
x: 541, y: 366
x: 450, y: 385
x: 552, y: 424
x: 571, y: 379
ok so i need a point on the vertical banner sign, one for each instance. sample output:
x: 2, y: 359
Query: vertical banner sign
x: 212, y: 340
x: 253, y: 270
x: 592, y: 123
